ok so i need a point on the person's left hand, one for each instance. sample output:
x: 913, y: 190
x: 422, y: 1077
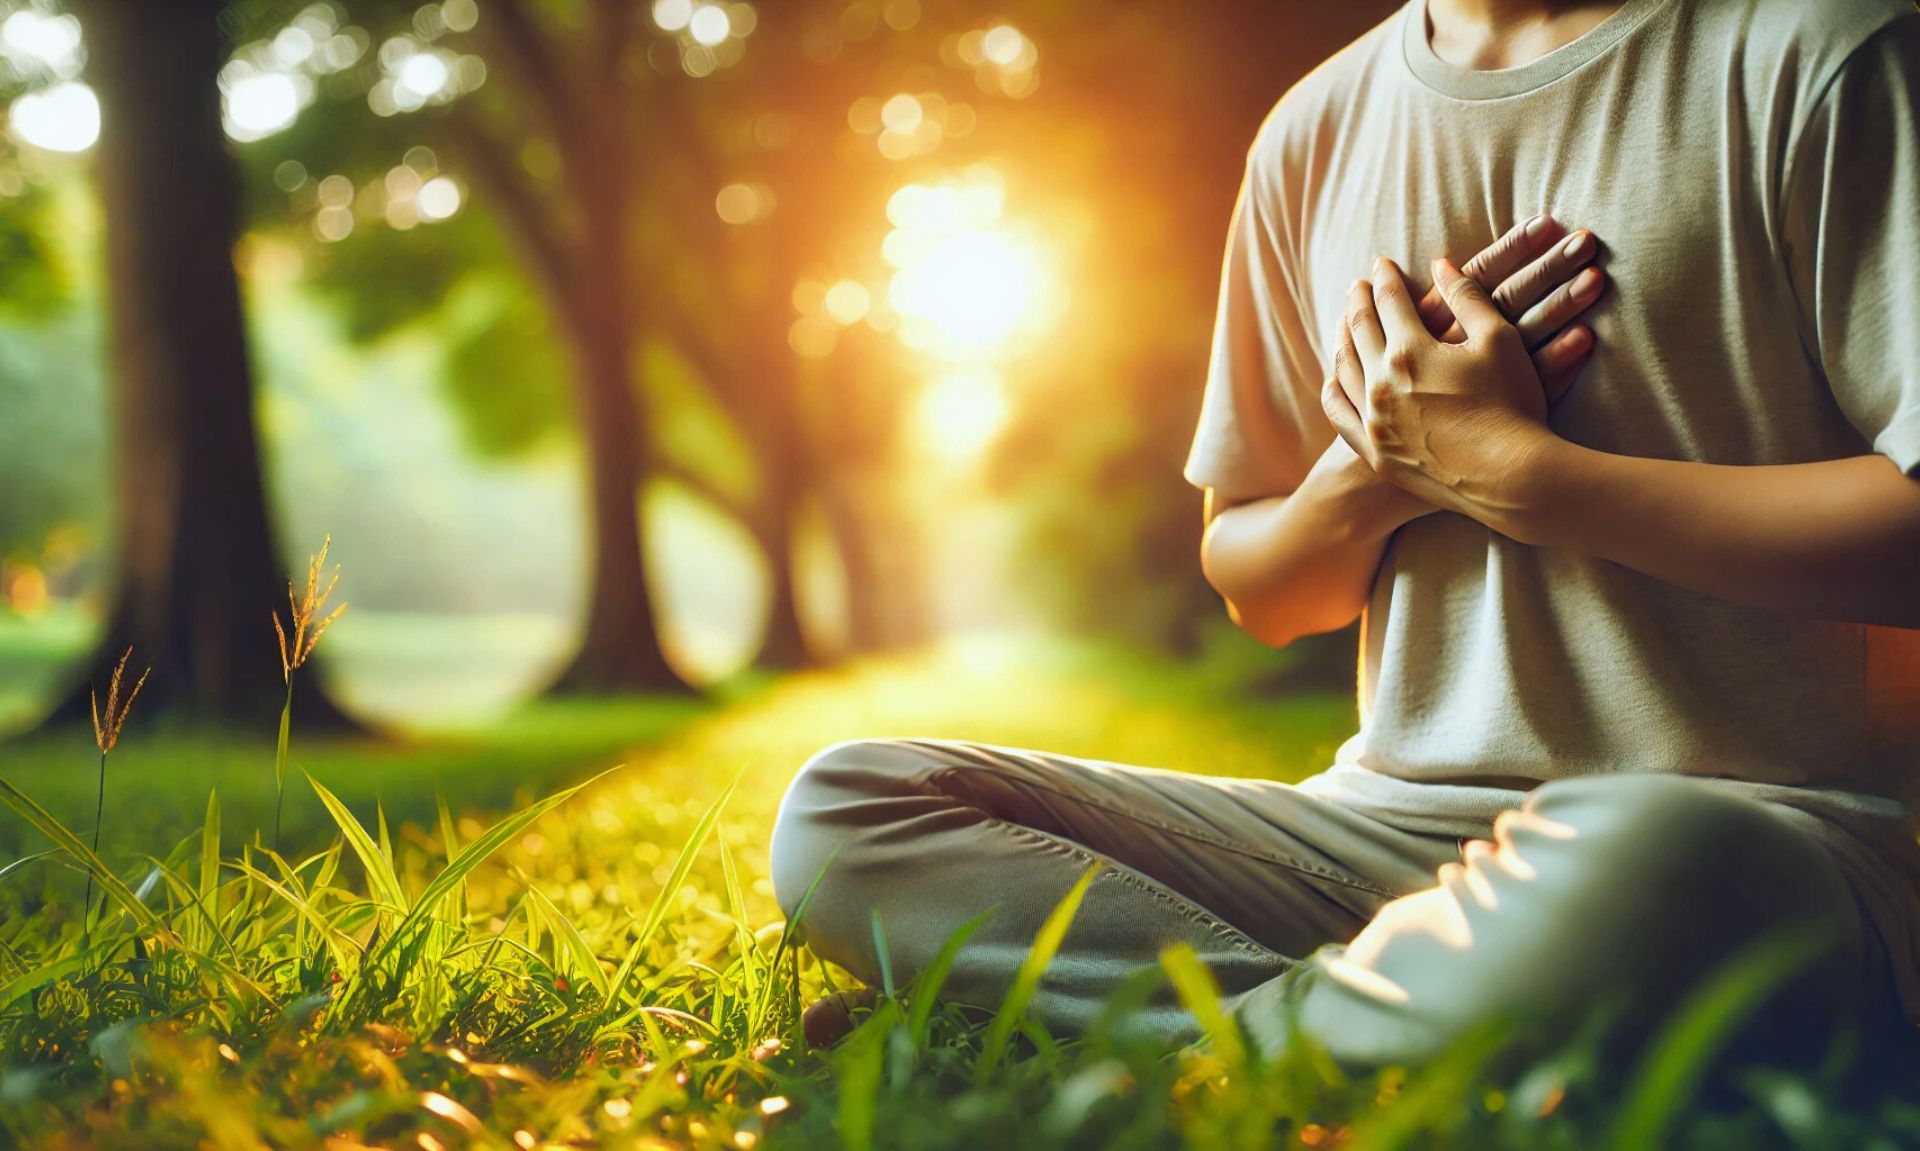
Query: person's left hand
x: 1458, y: 424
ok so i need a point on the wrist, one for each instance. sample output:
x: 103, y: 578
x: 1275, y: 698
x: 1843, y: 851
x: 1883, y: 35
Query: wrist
x: 1538, y: 494
x: 1364, y: 504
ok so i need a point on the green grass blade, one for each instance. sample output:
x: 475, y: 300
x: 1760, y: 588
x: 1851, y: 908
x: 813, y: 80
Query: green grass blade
x: 53, y: 829
x: 858, y: 1067
x: 1669, y: 1074
x: 663, y: 900
x: 26, y: 859
x: 20, y: 985
x: 380, y: 830
x: 449, y: 838
x: 338, y: 942
x: 788, y: 943
x: 574, y: 944
x: 881, y: 953
x: 742, y: 934
x: 926, y: 988
x: 380, y: 875
x: 281, y: 745
x: 1201, y: 994
x: 479, y: 851
x: 1045, y: 945
x: 210, y: 860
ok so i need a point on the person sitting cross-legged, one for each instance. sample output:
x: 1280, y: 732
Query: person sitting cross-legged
x: 1638, y: 572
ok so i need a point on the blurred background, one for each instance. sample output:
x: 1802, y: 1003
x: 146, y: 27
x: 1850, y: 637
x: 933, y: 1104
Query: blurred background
x: 641, y: 351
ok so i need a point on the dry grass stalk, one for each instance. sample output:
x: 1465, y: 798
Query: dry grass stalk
x: 106, y: 729
x: 307, y: 621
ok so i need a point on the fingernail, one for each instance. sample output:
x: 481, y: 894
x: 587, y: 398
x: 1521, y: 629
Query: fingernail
x: 1537, y: 227
x: 1579, y: 246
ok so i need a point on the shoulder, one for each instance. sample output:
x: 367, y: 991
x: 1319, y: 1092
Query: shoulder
x: 1308, y: 116
x: 1804, y: 46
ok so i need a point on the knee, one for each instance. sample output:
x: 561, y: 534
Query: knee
x: 821, y: 811
x: 1690, y: 847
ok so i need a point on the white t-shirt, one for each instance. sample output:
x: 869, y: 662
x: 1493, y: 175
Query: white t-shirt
x: 1752, y: 168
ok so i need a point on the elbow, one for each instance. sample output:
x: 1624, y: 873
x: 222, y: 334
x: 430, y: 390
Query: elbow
x: 1278, y: 625
x: 1267, y: 627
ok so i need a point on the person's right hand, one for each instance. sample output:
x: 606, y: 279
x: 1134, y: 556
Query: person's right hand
x: 1539, y: 276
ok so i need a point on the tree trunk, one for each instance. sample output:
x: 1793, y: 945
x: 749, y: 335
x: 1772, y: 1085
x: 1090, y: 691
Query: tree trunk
x: 621, y: 648
x: 784, y: 646
x: 198, y: 573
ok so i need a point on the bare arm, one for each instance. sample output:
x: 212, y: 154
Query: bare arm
x: 1838, y: 539
x: 1303, y: 562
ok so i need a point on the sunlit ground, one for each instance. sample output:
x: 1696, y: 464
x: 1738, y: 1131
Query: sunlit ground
x: 1090, y: 699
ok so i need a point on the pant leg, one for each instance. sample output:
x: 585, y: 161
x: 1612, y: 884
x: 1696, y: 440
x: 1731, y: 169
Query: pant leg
x: 1620, y: 892
x: 1252, y: 875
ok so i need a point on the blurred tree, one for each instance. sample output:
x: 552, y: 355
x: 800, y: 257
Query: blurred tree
x: 598, y: 159
x: 549, y: 143
x: 198, y: 576
x: 52, y: 457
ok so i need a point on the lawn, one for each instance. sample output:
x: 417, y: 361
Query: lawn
x: 611, y: 970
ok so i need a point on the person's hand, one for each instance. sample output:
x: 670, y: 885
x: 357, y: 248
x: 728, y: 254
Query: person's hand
x: 1537, y: 274
x: 1452, y: 424
x: 1540, y: 279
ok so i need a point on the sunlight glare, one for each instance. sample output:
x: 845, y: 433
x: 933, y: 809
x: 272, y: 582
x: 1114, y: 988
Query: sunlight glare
x: 975, y: 286
x: 962, y: 413
x: 63, y: 118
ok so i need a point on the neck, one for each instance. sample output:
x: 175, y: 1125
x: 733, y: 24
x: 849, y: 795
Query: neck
x: 1495, y: 34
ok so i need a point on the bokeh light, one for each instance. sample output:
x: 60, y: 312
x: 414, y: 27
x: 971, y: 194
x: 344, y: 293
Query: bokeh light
x: 39, y: 41
x: 63, y: 118
x: 260, y: 105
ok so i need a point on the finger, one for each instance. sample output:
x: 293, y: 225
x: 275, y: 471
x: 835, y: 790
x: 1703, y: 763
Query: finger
x: 1469, y: 301
x: 1344, y: 417
x: 1522, y: 244
x: 1363, y: 320
x: 1493, y: 264
x: 1347, y: 372
x: 1393, y: 297
x: 1560, y: 359
x: 1544, y: 319
x: 1531, y: 284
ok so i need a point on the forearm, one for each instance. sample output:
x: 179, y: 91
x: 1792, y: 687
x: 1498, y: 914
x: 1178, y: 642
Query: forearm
x: 1838, y: 539
x: 1304, y: 563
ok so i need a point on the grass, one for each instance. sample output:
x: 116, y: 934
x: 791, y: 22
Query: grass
x: 606, y: 967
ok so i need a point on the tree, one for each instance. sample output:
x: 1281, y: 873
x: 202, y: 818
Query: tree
x: 198, y: 575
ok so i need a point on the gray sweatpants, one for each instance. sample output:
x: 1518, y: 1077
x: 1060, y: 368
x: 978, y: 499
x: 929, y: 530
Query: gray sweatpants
x: 1622, y: 892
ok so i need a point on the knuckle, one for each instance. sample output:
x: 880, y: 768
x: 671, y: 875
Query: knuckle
x: 1379, y: 394
x: 1401, y: 361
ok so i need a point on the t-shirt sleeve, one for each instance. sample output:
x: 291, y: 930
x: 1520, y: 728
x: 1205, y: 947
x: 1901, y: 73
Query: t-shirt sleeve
x: 1851, y: 229
x: 1261, y: 426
